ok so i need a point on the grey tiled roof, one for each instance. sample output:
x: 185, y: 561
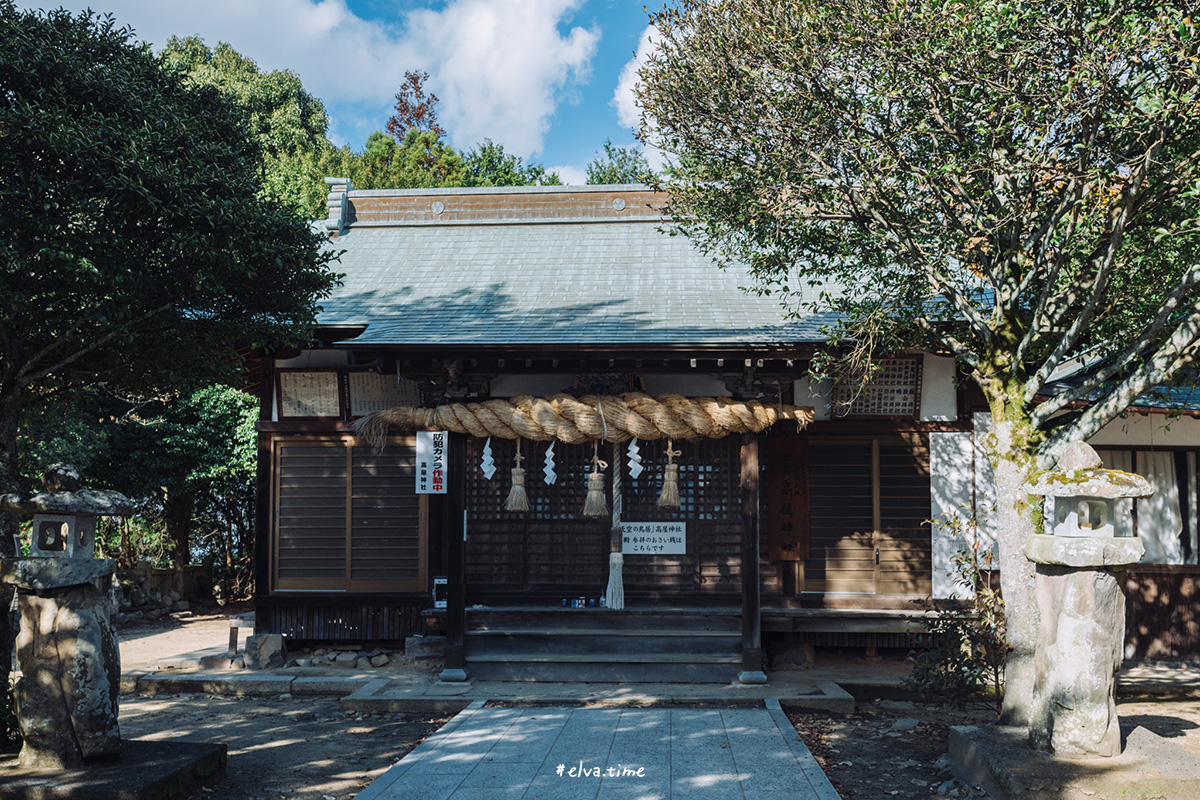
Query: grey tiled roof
x: 548, y: 283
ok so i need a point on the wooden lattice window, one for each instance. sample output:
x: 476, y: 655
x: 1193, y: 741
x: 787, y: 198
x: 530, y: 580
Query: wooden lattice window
x: 561, y: 500
x: 709, y: 480
x: 893, y: 390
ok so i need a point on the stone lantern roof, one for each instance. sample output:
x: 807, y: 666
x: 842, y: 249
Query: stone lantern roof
x: 1081, y: 473
x: 64, y: 494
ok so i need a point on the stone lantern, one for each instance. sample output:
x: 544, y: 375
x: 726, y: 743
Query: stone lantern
x: 67, y: 647
x: 1081, y: 603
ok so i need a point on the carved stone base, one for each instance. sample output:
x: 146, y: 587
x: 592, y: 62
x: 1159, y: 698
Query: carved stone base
x: 1078, y: 656
x: 71, y: 671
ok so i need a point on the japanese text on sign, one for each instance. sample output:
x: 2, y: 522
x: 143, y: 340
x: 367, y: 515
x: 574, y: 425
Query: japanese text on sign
x: 431, y: 462
x: 654, y: 538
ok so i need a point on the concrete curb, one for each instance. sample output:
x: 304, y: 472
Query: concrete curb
x: 821, y: 787
x: 234, y: 685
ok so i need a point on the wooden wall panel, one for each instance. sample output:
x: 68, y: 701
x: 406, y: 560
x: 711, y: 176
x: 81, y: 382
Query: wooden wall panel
x: 348, y: 518
x: 311, y: 514
x: 841, y: 508
x: 905, y: 540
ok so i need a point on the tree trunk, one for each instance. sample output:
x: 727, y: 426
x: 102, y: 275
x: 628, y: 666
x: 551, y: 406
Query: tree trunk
x: 1013, y: 459
x: 177, y: 511
x: 10, y: 481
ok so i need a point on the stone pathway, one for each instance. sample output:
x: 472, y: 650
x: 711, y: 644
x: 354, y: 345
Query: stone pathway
x: 609, y: 753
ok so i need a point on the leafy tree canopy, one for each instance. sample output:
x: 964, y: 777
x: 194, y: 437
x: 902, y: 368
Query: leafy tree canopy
x: 420, y: 161
x: 288, y: 123
x: 619, y: 165
x: 136, y: 248
x: 414, y: 109
x: 488, y: 165
x: 1013, y: 183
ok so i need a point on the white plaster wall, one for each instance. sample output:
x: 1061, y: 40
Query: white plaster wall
x: 938, y: 400
x: 686, y: 384
x: 818, y: 394
x: 952, y: 478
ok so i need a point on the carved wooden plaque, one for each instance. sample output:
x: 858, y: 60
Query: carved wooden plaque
x: 787, y: 500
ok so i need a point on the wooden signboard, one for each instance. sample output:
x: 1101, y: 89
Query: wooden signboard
x: 371, y: 392
x: 309, y: 395
x: 787, y: 500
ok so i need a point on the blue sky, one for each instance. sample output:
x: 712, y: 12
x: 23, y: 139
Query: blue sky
x: 548, y: 79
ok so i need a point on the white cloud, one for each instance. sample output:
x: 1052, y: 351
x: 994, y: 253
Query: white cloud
x: 625, y: 97
x: 500, y: 67
x: 570, y: 175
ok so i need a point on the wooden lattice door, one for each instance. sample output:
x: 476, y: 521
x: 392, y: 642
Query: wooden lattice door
x: 553, y: 551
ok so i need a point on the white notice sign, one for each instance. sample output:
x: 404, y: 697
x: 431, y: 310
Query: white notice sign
x: 654, y: 538
x: 431, y: 462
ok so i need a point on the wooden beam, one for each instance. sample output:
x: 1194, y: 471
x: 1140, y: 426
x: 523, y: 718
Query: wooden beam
x: 454, y: 533
x: 752, y: 671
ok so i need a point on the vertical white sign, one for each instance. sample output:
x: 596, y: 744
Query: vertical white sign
x: 431, y: 462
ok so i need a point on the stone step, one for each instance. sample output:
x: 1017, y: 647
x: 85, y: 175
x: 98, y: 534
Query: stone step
x: 626, y: 668
x: 606, y: 619
x: 584, y: 642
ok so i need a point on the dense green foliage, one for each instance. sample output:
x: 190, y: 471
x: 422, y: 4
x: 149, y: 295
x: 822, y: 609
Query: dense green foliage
x: 288, y: 123
x: 488, y: 165
x: 191, y: 454
x: 619, y: 165
x: 139, y: 254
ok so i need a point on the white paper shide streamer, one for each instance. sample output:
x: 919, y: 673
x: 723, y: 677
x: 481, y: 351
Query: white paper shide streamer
x: 548, y: 470
x: 634, y: 455
x: 486, y: 463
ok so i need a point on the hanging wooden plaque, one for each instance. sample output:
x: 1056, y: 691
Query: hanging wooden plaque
x: 787, y: 500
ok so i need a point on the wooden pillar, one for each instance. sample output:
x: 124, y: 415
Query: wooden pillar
x: 752, y: 671
x: 264, y: 483
x: 454, y: 533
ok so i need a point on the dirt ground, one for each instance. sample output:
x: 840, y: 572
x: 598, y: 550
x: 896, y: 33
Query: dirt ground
x: 284, y: 747
x: 888, y: 749
x: 897, y: 749
x: 297, y: 748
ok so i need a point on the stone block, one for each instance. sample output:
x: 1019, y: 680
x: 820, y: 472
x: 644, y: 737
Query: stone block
x: 1078, y: 655
x: 346, y: 660
x: 381, y: 660
x: 43, y: 574
x: 71, y: 667
x: 1084, y: 551
x: 265, y: 651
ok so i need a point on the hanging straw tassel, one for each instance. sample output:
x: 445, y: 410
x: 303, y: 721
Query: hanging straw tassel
x: 517, y: 500
x: 594, y: 505
x: 669, y: 498
x: 616, y: 561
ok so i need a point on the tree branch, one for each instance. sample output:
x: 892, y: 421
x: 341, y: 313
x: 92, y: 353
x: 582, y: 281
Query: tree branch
x: 27, y: 377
